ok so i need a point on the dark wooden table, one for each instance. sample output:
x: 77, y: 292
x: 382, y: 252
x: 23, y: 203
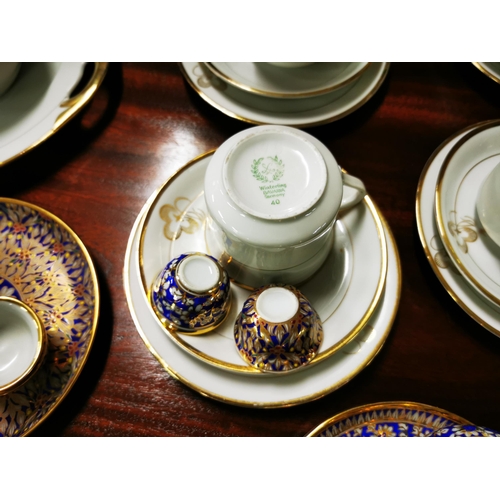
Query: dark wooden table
x: 144, y: 123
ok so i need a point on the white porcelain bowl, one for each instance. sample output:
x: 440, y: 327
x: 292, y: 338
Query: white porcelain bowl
x: 22, y: 343
x: 8, y: 73
x: 273, y: 194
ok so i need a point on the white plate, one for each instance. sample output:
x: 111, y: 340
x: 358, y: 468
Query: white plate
x: 345, y: 291
x: 38, y: 104
x: 491, y: 69
x: 471, y: 301
x: 263, y: 392
x: 293, y: 112
x: 291, y: 83
x: 462, y: 174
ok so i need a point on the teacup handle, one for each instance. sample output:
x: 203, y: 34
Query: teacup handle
x: 355, y: 194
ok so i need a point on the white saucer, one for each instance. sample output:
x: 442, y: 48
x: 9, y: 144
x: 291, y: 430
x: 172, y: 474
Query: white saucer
x: 470, y: 300
x: 345, y: 291
x: 38, y: 104
x: 290, y: 83
x: 264, y: 392
x: 460, y: 179
x: 491, y: 69
x: 293, y: 112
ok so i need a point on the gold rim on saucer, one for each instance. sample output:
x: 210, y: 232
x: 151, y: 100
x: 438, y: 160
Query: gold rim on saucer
x: 425, y: 243
x: 40, y: 400
x: 175, y: 336
x: 241, y: 402
x: 286, y: 95
x: 439, y: 210
x: 486, y: 71
x: 298, y: 122
x: 394, y: 411
x: 72, y: 105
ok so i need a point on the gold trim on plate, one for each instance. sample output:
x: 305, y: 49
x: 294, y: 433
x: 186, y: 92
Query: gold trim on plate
x: 73, y: 105
x: 227, y: 112
x: 95, y: 282
x: 427, y: 250
x: 439, y: 208
x: 238, y: 402
x: 280, y: 95
x: 389, y: 405
x: 175, y: 335
x: 486, y: 71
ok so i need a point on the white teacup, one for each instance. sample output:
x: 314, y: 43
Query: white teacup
x: 273, y: 194
x: 22, y: 343
x: 488, y: 205
x: 8, y: 73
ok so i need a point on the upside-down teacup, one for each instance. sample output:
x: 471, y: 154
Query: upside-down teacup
x: 273, y: 194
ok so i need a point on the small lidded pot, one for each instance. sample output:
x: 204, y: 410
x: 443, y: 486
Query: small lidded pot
x: 191, y: 294
x: 23, y: 343
x: 277, y: 329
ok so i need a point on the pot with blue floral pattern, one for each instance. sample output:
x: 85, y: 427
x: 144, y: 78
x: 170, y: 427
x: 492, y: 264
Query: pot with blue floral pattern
x: 277, y: 329
x: 192, y: 294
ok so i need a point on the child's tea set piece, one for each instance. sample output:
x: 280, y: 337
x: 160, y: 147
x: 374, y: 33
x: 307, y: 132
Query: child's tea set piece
x: 23, y: 343
x: 278, y: 329
x: 192, y: 294
x: 273, y: 200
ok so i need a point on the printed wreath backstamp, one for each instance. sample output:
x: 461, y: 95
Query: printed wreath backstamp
x: 44, y: 266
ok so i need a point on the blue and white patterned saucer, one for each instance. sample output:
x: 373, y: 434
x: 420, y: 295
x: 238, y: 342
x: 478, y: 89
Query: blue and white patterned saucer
x: 391, y: 419
x: 44, y: 264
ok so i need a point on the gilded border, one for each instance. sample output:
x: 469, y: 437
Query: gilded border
x: 73, y: 105
x: 279, y: 95
x: 95, y: 282
x: 439, y: 208
x: 298, y: 123
x: 389, y: 405
x: 249, y: 370
x: 420, y: 228
x: 486, y: 71
x: 238, y: 402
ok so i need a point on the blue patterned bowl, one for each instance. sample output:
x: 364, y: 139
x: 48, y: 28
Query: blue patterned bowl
x: 277, y: 329
x: 192, y: 294
x: 465, y: 431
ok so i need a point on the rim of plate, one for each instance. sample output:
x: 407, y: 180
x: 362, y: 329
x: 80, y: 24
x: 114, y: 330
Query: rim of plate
x: 439, y: 209
x: 287, y: 95
x: 249, y: 404
x: 487, y: 71
x: 95, y: 322
x: 388, y: 405
x: 73, y: 105
x: 423, y: 240
x: 249, y: 370
x: 298, y: 123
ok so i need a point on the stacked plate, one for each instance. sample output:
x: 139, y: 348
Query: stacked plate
x: 356, y: 295
x: 265, y: 93
x: 463, y: 256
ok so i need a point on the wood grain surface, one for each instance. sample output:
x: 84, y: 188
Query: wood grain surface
x: 144, y: 123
